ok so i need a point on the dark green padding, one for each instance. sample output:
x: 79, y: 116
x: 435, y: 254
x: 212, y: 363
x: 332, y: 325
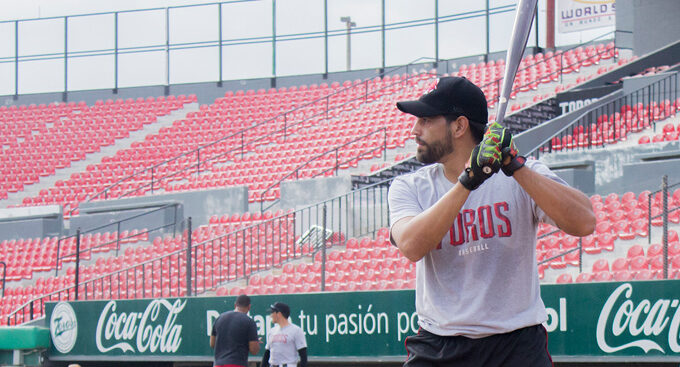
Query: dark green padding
x: 24, y: 337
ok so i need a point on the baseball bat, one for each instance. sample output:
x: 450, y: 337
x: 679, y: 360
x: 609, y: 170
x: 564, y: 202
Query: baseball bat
x: 518, y: 42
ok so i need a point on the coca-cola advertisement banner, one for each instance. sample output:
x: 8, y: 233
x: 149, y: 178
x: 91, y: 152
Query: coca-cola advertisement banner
x: 632, y: 320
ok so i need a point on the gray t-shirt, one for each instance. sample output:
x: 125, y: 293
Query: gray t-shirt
x: 284, y: 343
x: 482, y: 279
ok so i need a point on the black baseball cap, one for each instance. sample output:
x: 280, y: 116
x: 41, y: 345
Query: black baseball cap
x: 452, y: 95
x: 280, y: 307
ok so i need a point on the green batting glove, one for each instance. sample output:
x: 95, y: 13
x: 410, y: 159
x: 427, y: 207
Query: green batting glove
x: 511, y: 160
x: 485, y: 160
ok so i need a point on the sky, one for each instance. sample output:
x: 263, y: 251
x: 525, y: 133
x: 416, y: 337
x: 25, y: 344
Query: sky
x: 247, y: 19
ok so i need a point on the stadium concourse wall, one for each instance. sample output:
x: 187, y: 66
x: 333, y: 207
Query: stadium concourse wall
x: 160, y: 210
x: 151, y: 211
x: 645, y: 25
x: 625, y: 323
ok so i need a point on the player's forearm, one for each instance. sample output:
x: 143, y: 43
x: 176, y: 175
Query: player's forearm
x: 425, y: 231
x: 569, y: 208
x: 265, y: 359
x: 303, y: 357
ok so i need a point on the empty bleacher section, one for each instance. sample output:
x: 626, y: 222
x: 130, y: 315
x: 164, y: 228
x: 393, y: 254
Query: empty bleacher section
x: 636, y: 238
x: 266, y: 125
x: 38, y: 140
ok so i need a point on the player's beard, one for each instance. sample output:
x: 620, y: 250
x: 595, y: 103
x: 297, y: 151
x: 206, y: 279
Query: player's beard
x: 429, y: 153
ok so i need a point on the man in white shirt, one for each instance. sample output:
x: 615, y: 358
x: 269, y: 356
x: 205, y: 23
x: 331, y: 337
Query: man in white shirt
x: 286, y: 343
x: 472, y: 233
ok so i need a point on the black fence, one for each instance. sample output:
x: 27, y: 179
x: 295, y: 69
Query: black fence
x: 197, y: 261
x: 276, y: 129
x: 612, y: 122
x: 661, y: 207
x: 71, y: 248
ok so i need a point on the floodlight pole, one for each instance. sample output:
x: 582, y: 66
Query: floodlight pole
x: 349, y: 23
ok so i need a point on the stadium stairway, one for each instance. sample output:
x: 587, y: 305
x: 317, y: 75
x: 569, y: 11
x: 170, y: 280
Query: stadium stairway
x: 94, y: 158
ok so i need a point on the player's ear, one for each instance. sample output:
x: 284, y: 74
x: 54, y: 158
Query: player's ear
x: 459, y: 126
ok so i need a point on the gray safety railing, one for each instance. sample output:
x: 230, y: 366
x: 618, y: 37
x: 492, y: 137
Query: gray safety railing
x: 662, y: 209
x: 74, y: 241
x: 238, y: 143
x: 611, y: 122
x: 4, y: 276
x: 197, y: 264
x: 166, y: 25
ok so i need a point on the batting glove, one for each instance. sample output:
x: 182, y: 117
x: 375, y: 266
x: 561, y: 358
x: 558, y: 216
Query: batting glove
x: 511, y: 160
x: 485, y: 160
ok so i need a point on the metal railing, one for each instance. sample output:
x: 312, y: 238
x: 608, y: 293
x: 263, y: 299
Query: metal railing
x: 557, y: 75
x: 662, y: 217
x: 368, y: 152
x: 239, y: 138
x: 609, y: 123
x: 201, y: 264
x: 164, y: 276
x: 161, y: 21
x: 271, y: 243
x: 4, y: 276
x: 657, y: 201
x: 251, y: 136
x: 115, y: 243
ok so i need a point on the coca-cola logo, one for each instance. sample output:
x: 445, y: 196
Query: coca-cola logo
x: 622, y: 319
x: 152, y: 330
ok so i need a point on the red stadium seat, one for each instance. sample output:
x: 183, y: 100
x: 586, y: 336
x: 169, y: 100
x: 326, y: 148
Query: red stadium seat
x: 605, y: 241
x: 656, y: 264
x: 653, y: 250
x: 644, y: 274
x: 584, y: 278
x: 603, y: 276
x: 619, y: 264
x: 564, y: 278
x: 635, y: 251
x: 623, y: 275
x: 600, y: 265
x: 638, y: 263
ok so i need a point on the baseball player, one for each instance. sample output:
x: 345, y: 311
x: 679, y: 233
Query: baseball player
x: 472, y: 233
x: 234, y: 334
x: 286, y: 343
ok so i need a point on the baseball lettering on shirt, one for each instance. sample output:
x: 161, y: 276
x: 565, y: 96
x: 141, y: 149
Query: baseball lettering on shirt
x: 485, y: 222
x: 280, y: 338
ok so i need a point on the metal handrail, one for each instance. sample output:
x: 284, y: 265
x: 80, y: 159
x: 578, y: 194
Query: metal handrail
x: 237, y: 239
x: 71, y: 290
x: 296, y: 217
x: 562, y: 67
x: 245, y: 40
x: 242, y: 133
x: 594, y: 114
x: 4, y: 276
x: 118, y: 238
x: 337, y: 165
x: 650, y: 194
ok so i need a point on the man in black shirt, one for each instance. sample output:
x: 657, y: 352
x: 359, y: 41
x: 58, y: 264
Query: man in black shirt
x: 234, y: 334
